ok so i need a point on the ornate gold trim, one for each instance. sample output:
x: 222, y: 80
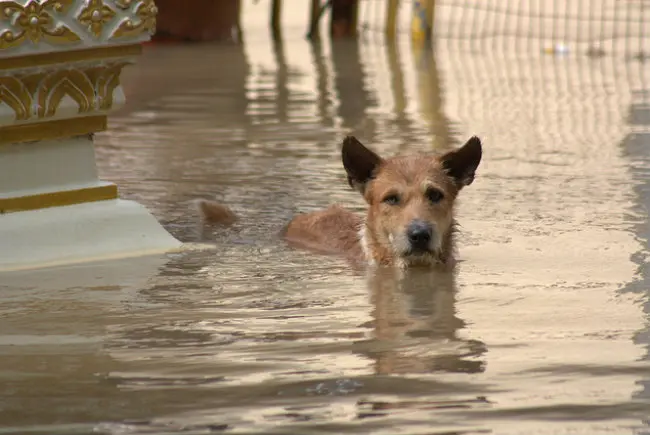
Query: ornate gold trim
x: 58, y: 199
x: 39, y: 95
x: 32, y: 60
x: 124, y: 4
x: 53, y: 25
x: 60, y: 129
x: 145, y: 12
x: 34, y: 22
x: 95, y: 15
x: 15, y: 94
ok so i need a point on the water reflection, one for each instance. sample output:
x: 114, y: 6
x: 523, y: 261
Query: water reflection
x: 324, y: 102
x: 281, y: 91
x: 267, y: 344
x: 416, y: 327
x: 400, y: 116
x: 355, y: 97
x: 635, y: 146
x: 54, y: 365
x: 431, y: 99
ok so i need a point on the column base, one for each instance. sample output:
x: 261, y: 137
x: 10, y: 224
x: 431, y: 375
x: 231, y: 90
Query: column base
x: 92, y: 231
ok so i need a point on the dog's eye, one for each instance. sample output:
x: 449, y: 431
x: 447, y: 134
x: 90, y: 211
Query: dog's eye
x: 391, y: 199
x: 434, y: 195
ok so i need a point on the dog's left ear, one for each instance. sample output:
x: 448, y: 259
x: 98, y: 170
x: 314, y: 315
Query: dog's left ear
x: 461, y: 164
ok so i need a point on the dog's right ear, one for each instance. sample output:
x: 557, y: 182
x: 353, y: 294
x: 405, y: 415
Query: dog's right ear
x: 359, y: 162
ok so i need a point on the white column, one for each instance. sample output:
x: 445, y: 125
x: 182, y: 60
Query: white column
x: 60, y: 66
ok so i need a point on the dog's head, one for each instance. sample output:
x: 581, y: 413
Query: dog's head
x: 410, y: 198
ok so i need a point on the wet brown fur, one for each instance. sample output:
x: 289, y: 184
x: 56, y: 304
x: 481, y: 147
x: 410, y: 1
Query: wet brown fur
x: 214, y: 212
x: 376, y: 239
x: 409, y: 176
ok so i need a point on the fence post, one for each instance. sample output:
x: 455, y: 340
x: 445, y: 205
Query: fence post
x: 314, y: 19
x: 56, y: 89
x: 276, y: 12
x: 392, y: 9
x: 344, y: 18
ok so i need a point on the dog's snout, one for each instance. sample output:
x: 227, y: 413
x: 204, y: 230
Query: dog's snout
x: 419, y: 234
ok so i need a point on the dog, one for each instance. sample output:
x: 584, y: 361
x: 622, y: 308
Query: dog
x: 410, y: 218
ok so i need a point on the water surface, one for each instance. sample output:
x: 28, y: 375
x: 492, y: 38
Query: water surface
x: 542, y: 329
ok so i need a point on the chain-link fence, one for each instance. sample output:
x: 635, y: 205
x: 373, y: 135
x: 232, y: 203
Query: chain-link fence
x: 594, y: 27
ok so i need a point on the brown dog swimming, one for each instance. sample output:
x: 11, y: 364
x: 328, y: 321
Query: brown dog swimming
x: 410, y: 217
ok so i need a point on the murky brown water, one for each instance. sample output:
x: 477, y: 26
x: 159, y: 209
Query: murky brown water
x: 542, y: 330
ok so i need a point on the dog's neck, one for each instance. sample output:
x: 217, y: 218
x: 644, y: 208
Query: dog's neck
x: 377, y: 254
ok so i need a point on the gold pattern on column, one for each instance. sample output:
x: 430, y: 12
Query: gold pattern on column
x: 105, y: 80
x: 38, y: 95
x: 95, y: 15
x: 48, y: 130
x: 57, y: 85
x: 146, y: 12
x: 34, y: 22
x: 124, y: 4
x: 15, y: 94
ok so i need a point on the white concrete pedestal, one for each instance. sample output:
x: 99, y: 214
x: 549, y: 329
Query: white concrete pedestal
x: 60, y: 67
x: 99, y: 230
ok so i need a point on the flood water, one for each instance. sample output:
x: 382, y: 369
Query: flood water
x: 542, y: 329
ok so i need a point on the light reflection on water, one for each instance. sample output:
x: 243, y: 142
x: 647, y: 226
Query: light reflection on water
x: 541, y: 330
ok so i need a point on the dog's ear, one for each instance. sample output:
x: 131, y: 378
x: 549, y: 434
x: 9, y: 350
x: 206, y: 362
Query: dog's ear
x: 359, y: 162
x: 461, y: 164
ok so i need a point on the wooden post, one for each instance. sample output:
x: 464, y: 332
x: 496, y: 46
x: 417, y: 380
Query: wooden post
x: 422, y: 21
x: 276, y: 9
x: 391, y: 18
x: 344, y: 16
x: 314, y: 19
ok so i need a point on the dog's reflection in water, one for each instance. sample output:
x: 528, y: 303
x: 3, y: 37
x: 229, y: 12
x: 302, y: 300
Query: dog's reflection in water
x: 415, y: 324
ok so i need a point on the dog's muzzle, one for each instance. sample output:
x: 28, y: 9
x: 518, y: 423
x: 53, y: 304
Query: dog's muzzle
x: 420, y: 235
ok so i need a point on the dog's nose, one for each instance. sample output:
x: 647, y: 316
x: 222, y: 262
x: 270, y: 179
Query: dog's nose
x: 419, y: 235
